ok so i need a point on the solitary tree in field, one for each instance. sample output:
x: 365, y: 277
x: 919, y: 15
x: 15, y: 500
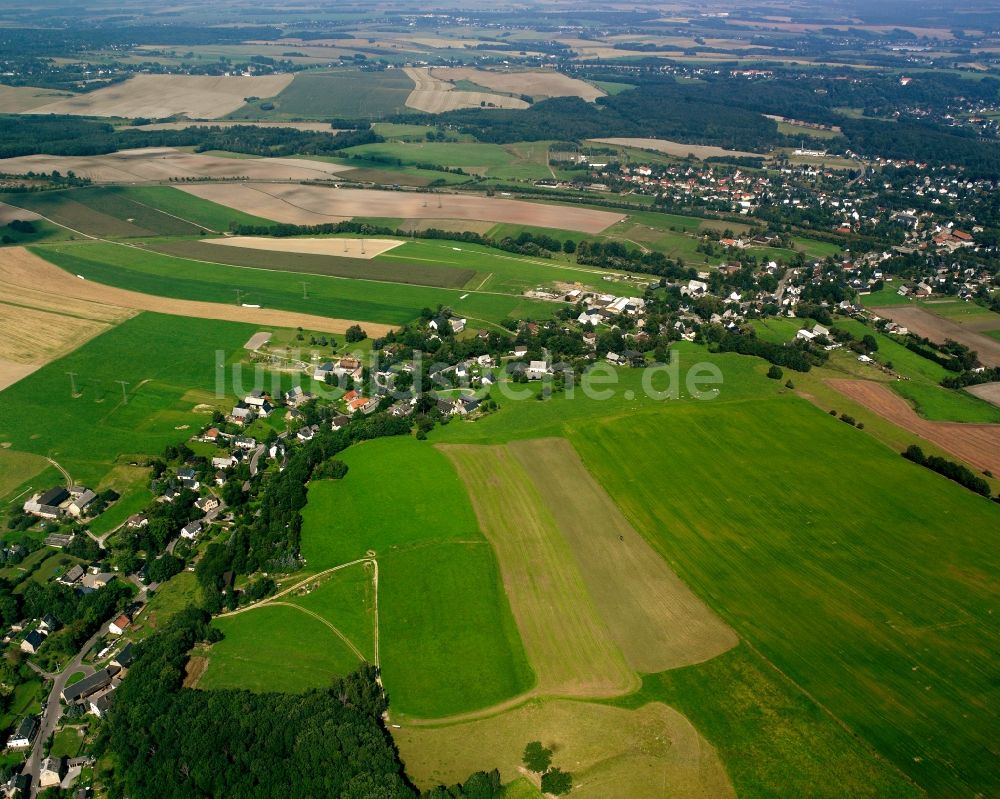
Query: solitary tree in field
x: 557, y: 782
x: 536, y: 757
x: 774, y: 373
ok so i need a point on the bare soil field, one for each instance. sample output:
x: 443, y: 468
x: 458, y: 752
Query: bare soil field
x: 535, y: 83
x: 8, y: 213
x: 569, y: 645
x: 937, y: 329
x: 436, y: 96
x: 312, y: 127
x: 156, y: 96
x: 675, y: 147
x: 22, y: 271
x: 976, y: 444
x: 613, y: 753
x: 18, y: 99
x: 655, y: 619
x: 987, y: 391
x: 340, y: 248
x: 309, y: 205
x: 153, y: 164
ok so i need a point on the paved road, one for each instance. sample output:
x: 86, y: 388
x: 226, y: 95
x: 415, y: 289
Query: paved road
x: 53, y: 709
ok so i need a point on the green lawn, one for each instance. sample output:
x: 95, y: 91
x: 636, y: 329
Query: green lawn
x: 276, y: 649
x: 886, y: 296
x: 68, y: 742
x: 367, y: 301
x: 442, y: 609
x: 169, y: 364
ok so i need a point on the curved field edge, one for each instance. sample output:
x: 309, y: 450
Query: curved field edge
x: 645, y: 753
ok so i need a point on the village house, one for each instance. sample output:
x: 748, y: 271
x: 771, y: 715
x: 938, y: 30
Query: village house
x: 52, y: 771
x: 88, y: 686
x: 32, y: 641
x: 121, y: 624
x: 96, y: 580
x: 191, y: 530
x: 71, y: 576
x: 205, y: 504
x: 23, y: 736
x: 81, y: 500
x: 339, y: 422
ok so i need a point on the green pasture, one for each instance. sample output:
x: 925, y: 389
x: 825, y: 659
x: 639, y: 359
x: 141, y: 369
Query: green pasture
x: 862, y: 577
x: 346, y: 600
x: 448, y: 640
x: 941, y: 404
x: 276, y: 648
x: 962, y: 312
x: 169, y: 365
x: 524, y: 161
x: 889, y: 295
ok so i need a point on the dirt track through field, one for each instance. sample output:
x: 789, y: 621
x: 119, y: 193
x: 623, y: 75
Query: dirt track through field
x: 976, y: 444
x: 435, y: 96
x: 927, y: 325
x: 22, y: 271
x: 309, y: 205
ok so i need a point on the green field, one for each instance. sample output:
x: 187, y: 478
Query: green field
x: 17, y: 468
x: 947, y: 405
x: 342, y: 93
x: 403, y: 500
x: 68, y: 742
x: 132, y: 211
x: 276, y: 648
x: 367, y: 301
x: 524, y: 161
x: 861, y: 578
x: 889, y: 631
x: 397, y: 271
x: 169, y: 364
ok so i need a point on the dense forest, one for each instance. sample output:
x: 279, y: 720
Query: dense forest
x: 170, y: 742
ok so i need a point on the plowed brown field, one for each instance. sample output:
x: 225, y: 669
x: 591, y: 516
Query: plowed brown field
x: 976, y: 444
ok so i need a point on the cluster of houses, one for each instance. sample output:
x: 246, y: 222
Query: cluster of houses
x: 59, y: 502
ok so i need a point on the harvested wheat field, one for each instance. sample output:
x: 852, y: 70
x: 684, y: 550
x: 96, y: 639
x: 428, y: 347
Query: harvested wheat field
x: 8, y: 213
x: 152, y: 164
x: 538, y: 84
x: 311, y: 127
x: 343, y: 248
x: 18, y: 99
x: 38, y: 326
x: 976, y: 444
x: 935, y: 328
x: 613, y: 753
x: 33, y: 336
x: 310, y: 205
x: 21, y: 271
x: 155, y: 96
x: 436, y: 96
x: 675, y: 147
x: 986, y: 391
